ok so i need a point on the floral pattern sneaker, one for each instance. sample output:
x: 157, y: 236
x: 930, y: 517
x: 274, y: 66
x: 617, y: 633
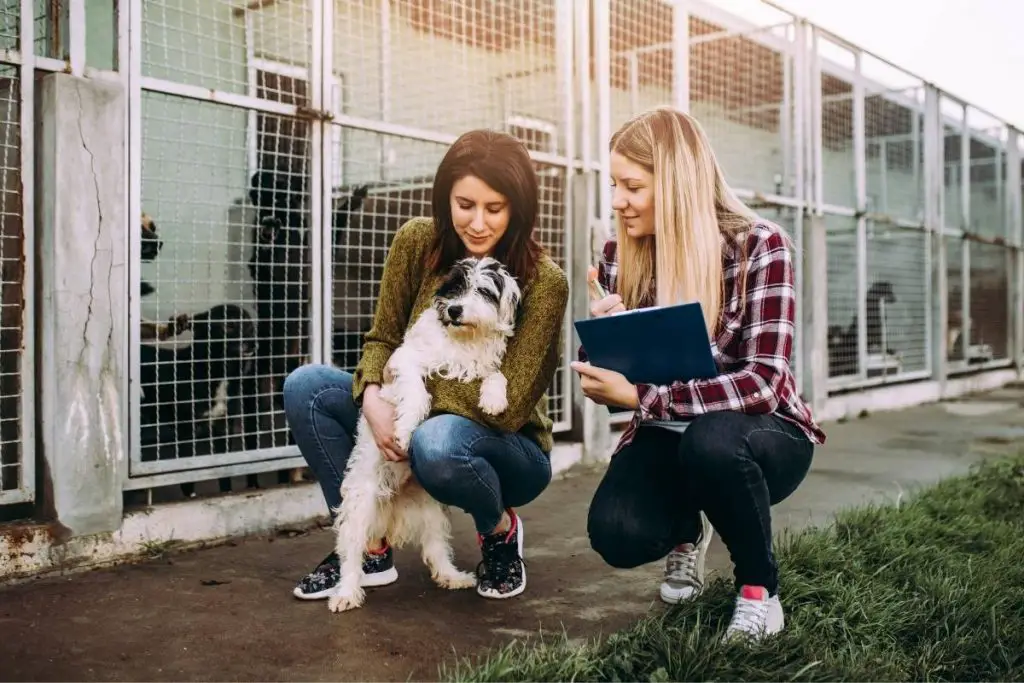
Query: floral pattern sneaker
x: 378, y: 570
x: 502, y: 573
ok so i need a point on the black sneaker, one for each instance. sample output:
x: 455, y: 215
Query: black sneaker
x: 378, y: 570
x: 502, y: 572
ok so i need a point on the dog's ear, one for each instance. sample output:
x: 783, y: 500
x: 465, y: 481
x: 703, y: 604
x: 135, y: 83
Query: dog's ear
x: 265, y: 188
x: 355, y: 202
x: 255, y: 186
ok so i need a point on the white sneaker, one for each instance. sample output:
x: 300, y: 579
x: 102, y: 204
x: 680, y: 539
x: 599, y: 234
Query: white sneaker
x: 684, y: 567
x: 755, y: 616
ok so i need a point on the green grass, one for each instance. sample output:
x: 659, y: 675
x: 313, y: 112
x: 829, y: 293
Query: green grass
x: 930, y: 590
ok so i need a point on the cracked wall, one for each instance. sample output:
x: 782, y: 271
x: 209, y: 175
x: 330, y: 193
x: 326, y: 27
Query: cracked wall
x: 81, y: 195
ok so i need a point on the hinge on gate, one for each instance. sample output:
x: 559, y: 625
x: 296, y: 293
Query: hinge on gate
x: 313, y: 114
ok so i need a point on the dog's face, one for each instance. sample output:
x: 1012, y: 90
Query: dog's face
x: 270, y: 230
x: 275, y: 194
x: 478, y: 295
x: 228, y: 331
x: 151, y: 242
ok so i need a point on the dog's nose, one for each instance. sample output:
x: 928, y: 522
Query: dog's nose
x: 455, y: 312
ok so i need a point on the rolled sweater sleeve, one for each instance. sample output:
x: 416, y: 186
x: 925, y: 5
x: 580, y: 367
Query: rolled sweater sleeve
x: 398, y: 289
x: 531, y: 357
x: 768, y: 331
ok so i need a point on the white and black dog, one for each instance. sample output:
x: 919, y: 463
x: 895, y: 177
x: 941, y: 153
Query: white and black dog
x: 463, y: 336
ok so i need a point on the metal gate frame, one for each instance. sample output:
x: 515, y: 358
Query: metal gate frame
x: 324, y: 116
x: 139, y: 474
x: 566, y: 163
x: 24, y: 58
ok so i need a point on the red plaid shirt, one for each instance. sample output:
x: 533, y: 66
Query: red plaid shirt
x: 752, y: 348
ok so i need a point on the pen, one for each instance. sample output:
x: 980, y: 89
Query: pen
x: 596, y: 290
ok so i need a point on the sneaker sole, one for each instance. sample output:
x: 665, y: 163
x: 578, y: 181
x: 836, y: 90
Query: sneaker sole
x: 674, y: 596
x: 375, y: 580
x: 495, y: 595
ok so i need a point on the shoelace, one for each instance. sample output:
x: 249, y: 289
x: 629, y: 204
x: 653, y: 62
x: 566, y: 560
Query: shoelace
x: 750, y: 616
x: 681, y: 567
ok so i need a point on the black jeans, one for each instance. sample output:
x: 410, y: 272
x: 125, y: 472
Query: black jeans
x: 731, y: 465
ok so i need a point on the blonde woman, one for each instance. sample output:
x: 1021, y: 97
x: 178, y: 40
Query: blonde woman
x: 721, y: 450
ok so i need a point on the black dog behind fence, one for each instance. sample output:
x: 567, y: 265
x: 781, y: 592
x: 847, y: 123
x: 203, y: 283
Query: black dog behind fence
x: 222, y: 392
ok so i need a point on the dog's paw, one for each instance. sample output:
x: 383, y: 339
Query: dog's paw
x: 403, y: 437
x: 344, y: 601
x: 493, y: 394
x: 455, y: 580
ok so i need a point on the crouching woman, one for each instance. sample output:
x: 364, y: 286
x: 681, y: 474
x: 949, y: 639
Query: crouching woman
x: 485, y: 203
x: 724, y: 449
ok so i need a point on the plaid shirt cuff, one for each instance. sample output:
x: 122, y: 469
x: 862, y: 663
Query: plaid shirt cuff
x: 655, y: 401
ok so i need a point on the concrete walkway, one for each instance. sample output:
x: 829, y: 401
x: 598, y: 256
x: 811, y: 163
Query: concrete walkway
x: 227, y: 613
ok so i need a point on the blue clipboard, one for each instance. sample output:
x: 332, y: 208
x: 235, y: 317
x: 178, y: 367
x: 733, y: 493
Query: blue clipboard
x: 651, y: 345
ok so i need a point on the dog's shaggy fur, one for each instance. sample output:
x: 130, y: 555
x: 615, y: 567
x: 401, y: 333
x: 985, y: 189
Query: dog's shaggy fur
x: 463, y: 336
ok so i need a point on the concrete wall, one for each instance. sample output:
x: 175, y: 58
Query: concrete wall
x: 81, y: 251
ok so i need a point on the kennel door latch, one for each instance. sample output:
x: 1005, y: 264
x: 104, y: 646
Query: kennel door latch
x: 312, y: 114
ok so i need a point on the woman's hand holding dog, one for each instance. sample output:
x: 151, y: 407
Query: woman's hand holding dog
x: 380, y: 415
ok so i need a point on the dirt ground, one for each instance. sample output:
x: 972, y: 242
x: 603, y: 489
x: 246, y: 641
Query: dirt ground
x: 227, y: 613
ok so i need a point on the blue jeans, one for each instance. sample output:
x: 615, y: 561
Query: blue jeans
x: 456, y: 460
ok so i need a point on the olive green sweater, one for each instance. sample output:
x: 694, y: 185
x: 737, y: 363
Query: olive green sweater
x: 530, y: 359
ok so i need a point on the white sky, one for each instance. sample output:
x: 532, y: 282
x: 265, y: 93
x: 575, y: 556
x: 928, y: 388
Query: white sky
x: 973, y: 49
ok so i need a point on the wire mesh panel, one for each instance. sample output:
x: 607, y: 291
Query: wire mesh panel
x: 987, y: 178
x: 224, y: 236
x: 16, y: 449
x: 361, y: 244
x: 954, y: 163
x: 838, y: 154
x: 843, y: 325
x: 51, y: 31
x: 10, y: 16
x: 956, y: 300
x: 429, y: 71
x: 640, y: 55
x: 448, y: 66
x: 896, y: 302
x: 894, y: 141
x: 989, y: 303
x: 742, y: 91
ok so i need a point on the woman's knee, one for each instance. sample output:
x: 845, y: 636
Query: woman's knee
x: 713, y: 444
x: 435, y: 449
x: 622, y: 540
x: 306, y: 381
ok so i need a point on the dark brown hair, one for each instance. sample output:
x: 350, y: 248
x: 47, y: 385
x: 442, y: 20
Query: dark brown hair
x: 502, y: 162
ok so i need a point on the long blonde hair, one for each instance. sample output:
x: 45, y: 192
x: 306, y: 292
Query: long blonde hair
x: 693, y: 209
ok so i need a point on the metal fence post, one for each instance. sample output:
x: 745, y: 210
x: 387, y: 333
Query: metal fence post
x: 1015, y: 231
x: 594, y: 420
x: 681, y: 56
x: 934, y: 224
x: 814, y: 344
x: 861, y: 192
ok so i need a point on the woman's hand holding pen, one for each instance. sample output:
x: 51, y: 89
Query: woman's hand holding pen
x: 605, y: 387
x: 602, y: 303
